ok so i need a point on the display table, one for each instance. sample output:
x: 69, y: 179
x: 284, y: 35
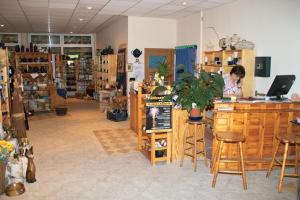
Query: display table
x: 259, y: 122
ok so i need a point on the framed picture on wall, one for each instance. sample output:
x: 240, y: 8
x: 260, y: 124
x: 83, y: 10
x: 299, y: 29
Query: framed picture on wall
x: 129, y: 67
x: 153, y: 58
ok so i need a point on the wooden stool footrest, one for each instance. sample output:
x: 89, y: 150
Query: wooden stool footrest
x: 292, y: 175
x: 231, y: 172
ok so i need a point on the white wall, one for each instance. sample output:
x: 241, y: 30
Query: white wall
x: 114, y: 34
x: 189, y: 32
x: 150, y: 33
x: 274, y: 27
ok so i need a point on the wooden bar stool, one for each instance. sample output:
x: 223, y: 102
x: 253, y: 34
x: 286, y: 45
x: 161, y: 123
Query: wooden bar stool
x: 229, y: 137
x: 287, y: 140
x: 193, y: 139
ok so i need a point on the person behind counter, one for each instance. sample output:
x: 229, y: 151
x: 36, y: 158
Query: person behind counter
x: 233, y: 82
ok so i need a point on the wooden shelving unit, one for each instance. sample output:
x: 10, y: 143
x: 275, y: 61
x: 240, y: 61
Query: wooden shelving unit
x: 4, y: 87
x: 37, y: 77
x: 71, y: 77
x: 83, y: 75
x: 105, y: 71
x: 216, y: 61
x: 97, y: 74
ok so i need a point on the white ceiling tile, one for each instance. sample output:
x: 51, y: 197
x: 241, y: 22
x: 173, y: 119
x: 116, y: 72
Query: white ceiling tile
x: 121, y: 3
x: 171, y: 7
x: 188, y: 2
x: 34, y: 3
x: 62, y: 5
x: 208, y: 4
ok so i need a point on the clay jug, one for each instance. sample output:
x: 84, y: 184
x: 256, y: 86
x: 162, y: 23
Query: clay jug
x: 30, y: 173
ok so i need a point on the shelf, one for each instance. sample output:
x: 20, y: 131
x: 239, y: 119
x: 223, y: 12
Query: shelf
x: 34, y: 63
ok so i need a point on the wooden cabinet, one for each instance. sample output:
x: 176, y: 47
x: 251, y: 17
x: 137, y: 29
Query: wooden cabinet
x: 4, y: 87
x: 105, y: 71
x: 223, y: 61
x: 259, y: 123
x: 37, y: 77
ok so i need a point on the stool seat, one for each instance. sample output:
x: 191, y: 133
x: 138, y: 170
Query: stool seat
x: 289, y: 138
x: 198, y: 122
x: 230, y: 137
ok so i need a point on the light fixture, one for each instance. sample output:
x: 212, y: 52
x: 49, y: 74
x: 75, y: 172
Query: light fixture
x: 89, y: 7
x: 184, y: 3
x: 2, y: 25
x: 81, y: 19
x: 71, y: 32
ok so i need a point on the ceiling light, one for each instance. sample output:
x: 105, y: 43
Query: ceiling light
x: 184, y: 3
x: 2, y: 25
x: 81, y: 19
x: 71, y: 32
x: 89, y: 8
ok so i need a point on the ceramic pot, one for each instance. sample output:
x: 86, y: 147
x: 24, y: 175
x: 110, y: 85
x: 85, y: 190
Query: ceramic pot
x: 195, y: 114
x: 2, y: 176
x: 136, y: 53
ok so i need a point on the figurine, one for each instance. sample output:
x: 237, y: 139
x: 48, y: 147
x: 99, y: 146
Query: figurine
x: 30, y: 173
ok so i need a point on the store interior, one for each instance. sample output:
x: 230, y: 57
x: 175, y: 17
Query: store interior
x: 149, y: 99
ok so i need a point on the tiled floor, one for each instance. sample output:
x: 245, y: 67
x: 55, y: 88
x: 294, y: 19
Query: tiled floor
x: 116, y: 141
x: 73, y: 165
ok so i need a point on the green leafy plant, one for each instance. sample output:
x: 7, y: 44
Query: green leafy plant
x: 163, y: 69
x: 200, y: 90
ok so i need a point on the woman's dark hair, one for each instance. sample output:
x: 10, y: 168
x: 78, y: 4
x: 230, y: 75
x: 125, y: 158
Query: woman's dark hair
x: 239, y: 70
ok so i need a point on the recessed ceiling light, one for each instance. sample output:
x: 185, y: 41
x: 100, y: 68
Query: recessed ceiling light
x: 184, y: 3
x: 81, y: 19
x: 89, y: 7
x: 71, y: 32
x: 2, y: 25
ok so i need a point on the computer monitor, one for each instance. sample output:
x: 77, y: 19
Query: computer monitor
x: 281, y: 86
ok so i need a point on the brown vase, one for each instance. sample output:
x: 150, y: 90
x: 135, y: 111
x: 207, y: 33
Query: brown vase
x: 2, y: 176
x: 195, y: 114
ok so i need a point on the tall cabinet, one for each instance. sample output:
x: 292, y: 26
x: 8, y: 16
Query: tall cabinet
x: 4, y: 87
x: 105, y: 71
x: 223, y: 61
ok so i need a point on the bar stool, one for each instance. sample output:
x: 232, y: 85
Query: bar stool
x: 193, y: 140
x: 229, y: 137
x: 287, y: 140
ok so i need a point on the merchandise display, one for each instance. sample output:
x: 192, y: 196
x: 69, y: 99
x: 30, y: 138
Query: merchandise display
x: 83, y: 75
x: 36, y: 73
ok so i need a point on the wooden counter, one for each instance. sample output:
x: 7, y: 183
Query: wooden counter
x: 133, y: 112
x: 259, y: 123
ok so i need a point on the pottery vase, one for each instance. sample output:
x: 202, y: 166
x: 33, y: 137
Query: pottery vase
x: 2, y: 176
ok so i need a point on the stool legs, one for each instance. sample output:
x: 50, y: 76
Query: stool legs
x: 183, y: 146
x: 214, y: 158
x: 240, y: 147
x: 195, y: 148
x: 296, y: 158
x: 286, y: 147
x: 273, y: 159
x: 216, y: 167
x: 241, y: 165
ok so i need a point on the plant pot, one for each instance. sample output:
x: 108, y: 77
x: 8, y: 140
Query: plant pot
x: 195, y: 114
x: 2, y: 176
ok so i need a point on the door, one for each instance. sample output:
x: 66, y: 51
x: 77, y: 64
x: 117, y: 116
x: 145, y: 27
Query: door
x: 152, y: 59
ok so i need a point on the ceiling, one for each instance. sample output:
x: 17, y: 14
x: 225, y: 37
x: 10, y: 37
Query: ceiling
x: 88, y: 16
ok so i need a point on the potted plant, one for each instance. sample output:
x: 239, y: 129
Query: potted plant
x: 5, y: 149
x: 194, y: 94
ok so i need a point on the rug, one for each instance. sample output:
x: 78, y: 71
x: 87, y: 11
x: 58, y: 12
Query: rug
x: 117, y: 141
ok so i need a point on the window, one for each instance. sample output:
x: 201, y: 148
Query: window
x: 45, y: 39
x: 70, y: 39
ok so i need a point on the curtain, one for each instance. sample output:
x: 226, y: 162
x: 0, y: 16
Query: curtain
x: 185, y: 60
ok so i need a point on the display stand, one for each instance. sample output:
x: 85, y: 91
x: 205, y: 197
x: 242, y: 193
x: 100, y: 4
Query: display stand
x: 36, y: 71
x: 153, y: 140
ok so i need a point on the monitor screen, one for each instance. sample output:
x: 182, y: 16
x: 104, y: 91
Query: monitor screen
x: 281, y: 85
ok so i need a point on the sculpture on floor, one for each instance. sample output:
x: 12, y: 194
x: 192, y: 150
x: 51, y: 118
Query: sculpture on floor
x: 30, y: 173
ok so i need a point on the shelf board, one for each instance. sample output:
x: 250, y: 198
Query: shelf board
x: 33, y: 63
